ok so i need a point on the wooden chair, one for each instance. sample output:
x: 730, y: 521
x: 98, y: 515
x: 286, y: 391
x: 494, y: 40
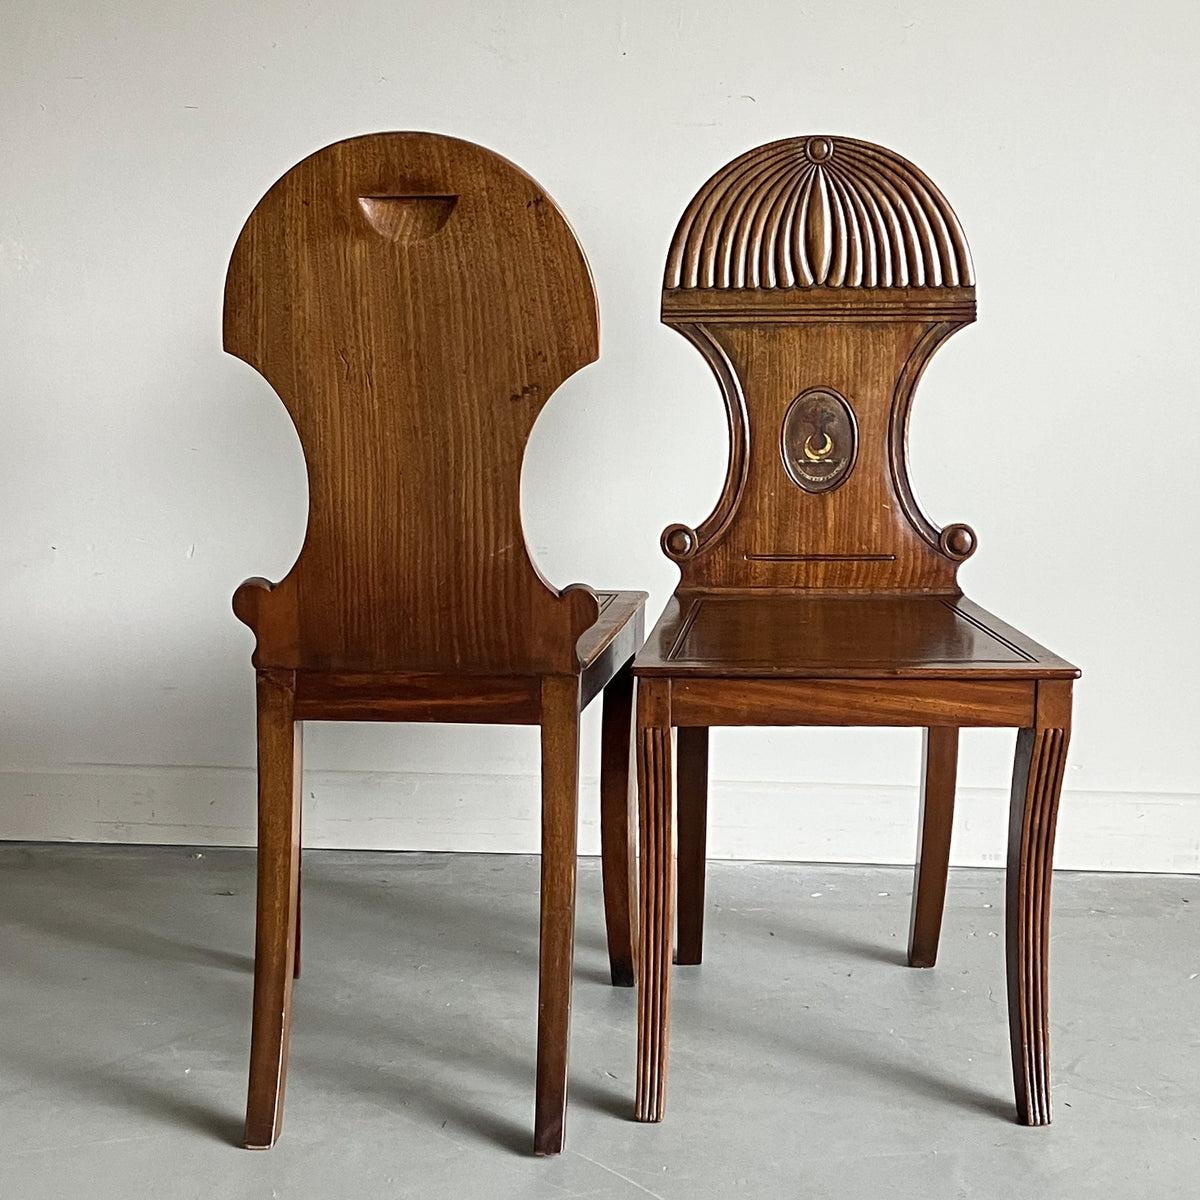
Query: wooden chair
x: 817, y: 276
x: 415, y: 300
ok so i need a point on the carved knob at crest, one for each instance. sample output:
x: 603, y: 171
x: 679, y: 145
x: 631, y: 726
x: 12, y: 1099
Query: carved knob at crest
x: 679, y: 542
x: 818, y: 149
x: 958, y: 542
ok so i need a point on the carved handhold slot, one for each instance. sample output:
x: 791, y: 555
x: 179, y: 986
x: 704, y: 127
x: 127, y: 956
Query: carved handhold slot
x: 407, y: 218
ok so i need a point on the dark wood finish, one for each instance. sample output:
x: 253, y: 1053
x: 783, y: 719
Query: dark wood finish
x: 798, y: 635
x: 560, y: 824
x: 618, y: 826
x: 836, y: 701
x: 818, y: 276
x: 415, y: 300
x: 1037, y: 783
x: 299, y: 883
x: 419, y: 696
x: 655, y: 766
x: 691, y: 757
x: 939, y: 773
x: 280, y: 760
x: 612, y: 642
x: 414, y: 360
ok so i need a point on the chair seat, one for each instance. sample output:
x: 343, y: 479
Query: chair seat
x: 841, y: 637
x: 617, y: 610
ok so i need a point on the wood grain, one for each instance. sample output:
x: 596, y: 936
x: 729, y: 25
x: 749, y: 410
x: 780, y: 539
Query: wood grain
x: 818, y: 276
x: 894, y: 702
x: 418, y: 696
x: 560, y: 823
x: 786, y: 274
x: 656, y: 804
x: 415, y: 301
x: 815, y: 212
x: 279, y: 801
x: 1037, y: 786
x: 759, y: 633
x: 939, y: 771
x: 494, y: 309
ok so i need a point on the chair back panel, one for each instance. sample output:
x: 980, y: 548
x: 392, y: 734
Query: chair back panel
x: 414, y: 300
x: 817, y: 276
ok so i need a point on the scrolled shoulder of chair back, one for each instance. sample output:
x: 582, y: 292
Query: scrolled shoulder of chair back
x: 414, y: 300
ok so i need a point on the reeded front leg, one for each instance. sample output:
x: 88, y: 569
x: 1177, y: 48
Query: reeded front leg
x: 560, y: 808
x: 940, y: 769
x: 279, y: 798
x: 618, y: 826
x: 656, y: 802
x: 692, y: 815
x: 1037, y: 783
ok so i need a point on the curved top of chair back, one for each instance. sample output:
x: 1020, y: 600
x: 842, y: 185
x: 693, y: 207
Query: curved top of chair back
x: 817, y: 275
x: 414, y: 300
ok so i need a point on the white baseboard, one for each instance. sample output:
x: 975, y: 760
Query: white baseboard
x: 1103, y: 831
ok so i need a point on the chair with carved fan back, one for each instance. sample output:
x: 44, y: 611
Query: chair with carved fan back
x: 415, y: 300
x: 817, y: 276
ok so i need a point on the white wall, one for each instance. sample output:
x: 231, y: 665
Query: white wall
x: 143, y: 473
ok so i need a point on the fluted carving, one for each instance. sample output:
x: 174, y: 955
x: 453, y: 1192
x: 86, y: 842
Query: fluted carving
x: 657, y: 918
x: 819, y: 212
x: 1037, y: 783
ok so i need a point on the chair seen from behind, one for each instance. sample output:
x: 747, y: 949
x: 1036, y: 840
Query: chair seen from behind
x: 415, y: 300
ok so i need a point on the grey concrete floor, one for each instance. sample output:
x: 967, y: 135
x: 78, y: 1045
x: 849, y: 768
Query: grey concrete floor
x: 806, y: 1060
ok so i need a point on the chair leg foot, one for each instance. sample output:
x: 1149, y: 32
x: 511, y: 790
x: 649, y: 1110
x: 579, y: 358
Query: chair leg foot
x: 560, y: 806
x: 279, y: 782
x: 655, y: 752
x: 939, y: 771
x: 618, y: 826
x: 1037, y: 784
x: 692, y: 784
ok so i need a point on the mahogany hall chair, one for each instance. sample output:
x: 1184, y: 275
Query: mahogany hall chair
x: 817, y: 276
x: 415, y: 300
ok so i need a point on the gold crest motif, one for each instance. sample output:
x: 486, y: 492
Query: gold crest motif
x: 819, y: 440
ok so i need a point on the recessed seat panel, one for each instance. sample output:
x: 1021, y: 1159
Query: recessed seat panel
x: 805, y: 636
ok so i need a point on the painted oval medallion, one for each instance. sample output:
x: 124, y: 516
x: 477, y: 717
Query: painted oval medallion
x: 819, y: 442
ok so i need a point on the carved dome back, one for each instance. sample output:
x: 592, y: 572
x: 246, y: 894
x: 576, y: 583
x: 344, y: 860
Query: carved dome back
x: 819, y: 212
